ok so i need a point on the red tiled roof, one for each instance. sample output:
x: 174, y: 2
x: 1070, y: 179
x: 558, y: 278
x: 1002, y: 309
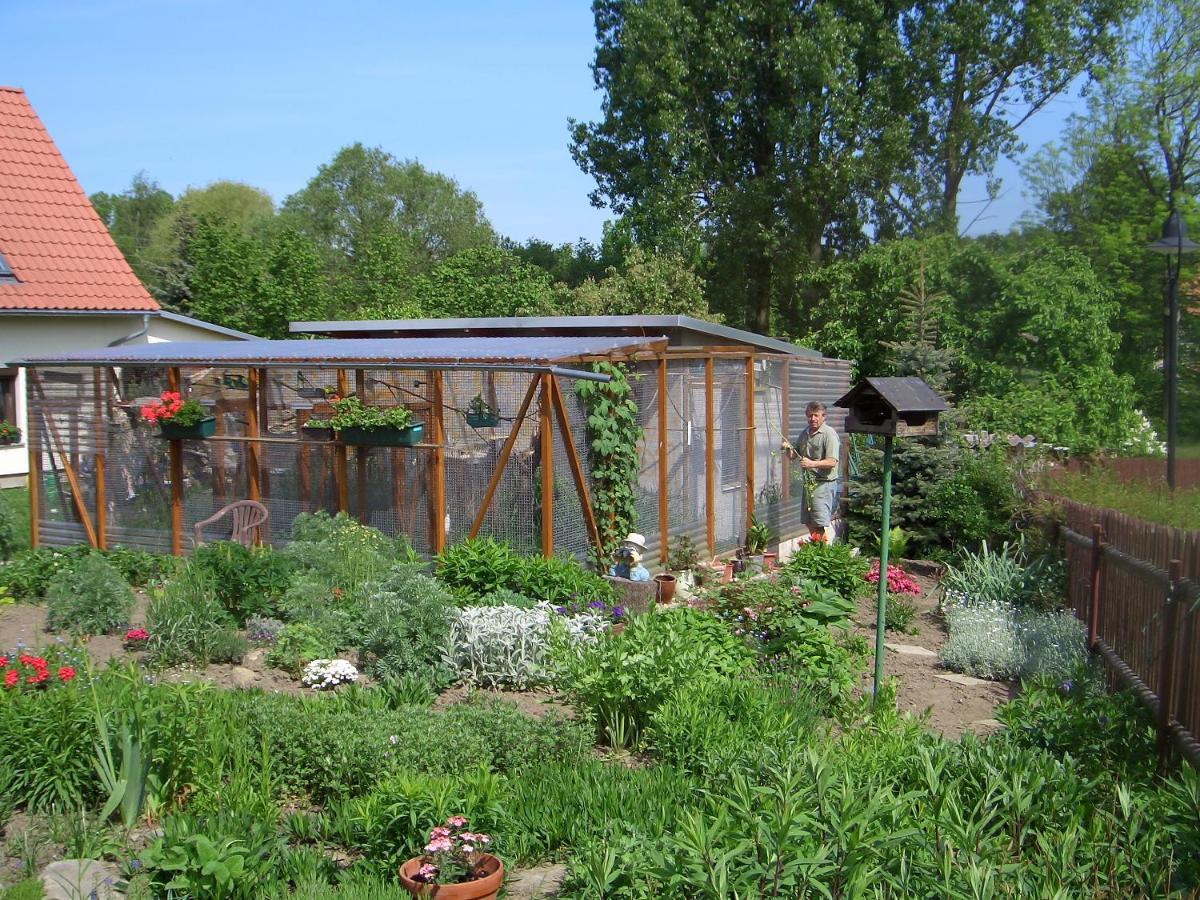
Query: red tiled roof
x: 51, y: 238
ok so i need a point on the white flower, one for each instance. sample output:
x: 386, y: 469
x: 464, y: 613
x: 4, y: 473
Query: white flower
x: 323, y: 674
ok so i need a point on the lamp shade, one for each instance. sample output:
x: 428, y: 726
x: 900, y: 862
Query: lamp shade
x: 1174, y: 237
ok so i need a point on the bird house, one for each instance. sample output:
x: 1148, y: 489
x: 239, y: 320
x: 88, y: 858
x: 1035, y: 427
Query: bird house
x: 903, y: 407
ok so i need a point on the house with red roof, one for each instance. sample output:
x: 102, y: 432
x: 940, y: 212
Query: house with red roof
x: 63, y: 283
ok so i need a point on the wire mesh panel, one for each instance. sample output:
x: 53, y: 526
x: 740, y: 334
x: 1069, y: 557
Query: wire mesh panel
x: 644, y: 382
x: 729, y: 452
x: 769, y: 390
x: 686, y: 450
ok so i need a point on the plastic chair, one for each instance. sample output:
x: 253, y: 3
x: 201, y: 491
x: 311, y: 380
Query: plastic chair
x: 248, y: 516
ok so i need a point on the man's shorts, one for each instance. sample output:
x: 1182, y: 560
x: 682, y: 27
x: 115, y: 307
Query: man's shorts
x: 822, y: 502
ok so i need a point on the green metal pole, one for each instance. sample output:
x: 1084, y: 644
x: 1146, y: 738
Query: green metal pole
x: 881, y: 607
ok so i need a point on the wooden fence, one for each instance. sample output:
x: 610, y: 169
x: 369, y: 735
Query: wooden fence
x: 1135, y: 584
x: 1153, y: 471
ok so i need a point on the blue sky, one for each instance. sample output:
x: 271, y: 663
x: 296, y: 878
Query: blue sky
x: 265, y: 92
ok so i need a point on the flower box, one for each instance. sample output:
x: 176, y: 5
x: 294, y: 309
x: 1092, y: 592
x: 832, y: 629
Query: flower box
x: 312, y: 393
x: 12, y: 436
x: 483, y: 420
x: 383, y: 437
x: 205, y: 428
x: 321, y: 433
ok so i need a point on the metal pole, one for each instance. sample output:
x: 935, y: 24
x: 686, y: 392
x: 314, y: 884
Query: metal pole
x: 881, y: 607
x: 1172, y: 362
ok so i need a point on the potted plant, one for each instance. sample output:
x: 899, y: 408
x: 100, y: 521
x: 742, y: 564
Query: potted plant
x: 9, y: 433
x: 684, y: 560
x: 179, y: 419
x: 758, y: 535
x: 373, y: 427
x: 455, y: 865
x: 481, y: 414
x: 317, y: 430
x: 311, y: 391
x: 237, y: 382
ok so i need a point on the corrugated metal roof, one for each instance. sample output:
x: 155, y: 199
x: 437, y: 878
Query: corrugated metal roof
x: 350, y: 352
x: 680, y: 330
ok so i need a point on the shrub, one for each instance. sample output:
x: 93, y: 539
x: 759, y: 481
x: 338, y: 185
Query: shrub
x: 505, y: 646
x: 30, y: 572
x: 976, y: 503
x: 9, y: 540
x: 405, y: 627
x: 297, y: 645
x: 343, y: 553
x: 811, y: 659
x: 987, y: 577
x: 185, y: 619
x: 832, y: 566
x: 481, y: 566
x: 998, y: 640
x: 226, y: 646
x: 618, y: 682
x: 89, y: 597
x: 505, y: 597
x: 718, y: 726
x: 560, y: 581
x: 263, y: 629
x: 764, y: 612
x: 140, y: 567
x: 899, y: 614
x: 247, y: 581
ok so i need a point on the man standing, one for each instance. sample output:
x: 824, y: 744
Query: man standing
x: 817, y: 449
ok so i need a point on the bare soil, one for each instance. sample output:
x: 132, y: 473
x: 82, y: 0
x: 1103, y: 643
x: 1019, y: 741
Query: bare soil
x: 952, y: 708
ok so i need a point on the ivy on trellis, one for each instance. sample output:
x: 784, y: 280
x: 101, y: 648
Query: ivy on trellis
x: 613, y: 434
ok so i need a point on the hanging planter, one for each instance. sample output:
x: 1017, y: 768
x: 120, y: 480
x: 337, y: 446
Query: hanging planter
x: 197, y: 431
x: 481, y: 414
x: 237, y: 382
x: 383, y: 436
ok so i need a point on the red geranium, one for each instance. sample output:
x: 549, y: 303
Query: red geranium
x: 163, y: 409
x: 32, y: 670
x: 898, y: 581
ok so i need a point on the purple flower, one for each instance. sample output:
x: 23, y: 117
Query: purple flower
x: 618, y: 612
x: 596, y: 604
x: 561, y: 610
x: 1065, y: 687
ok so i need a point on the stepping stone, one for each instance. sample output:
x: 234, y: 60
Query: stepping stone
x: 71, y: 879
x: 989, y: 724
x: 962, y: 679
x: 910, y: 649
x: 538, y: 882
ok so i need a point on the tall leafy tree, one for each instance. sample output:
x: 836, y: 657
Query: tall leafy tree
x: 131, y: 217
x: 364, y: 192
x: 753, y: 134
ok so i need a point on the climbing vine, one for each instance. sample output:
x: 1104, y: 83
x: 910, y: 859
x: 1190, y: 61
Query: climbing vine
x: 613, y: 434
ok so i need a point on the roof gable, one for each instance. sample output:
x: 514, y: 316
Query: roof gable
x: 59, y: 252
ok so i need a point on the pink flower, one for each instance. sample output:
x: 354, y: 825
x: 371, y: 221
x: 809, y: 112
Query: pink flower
x: 456, y: 822
x: 438, y: 845
x: 427, y: 872
x: 439, y: 832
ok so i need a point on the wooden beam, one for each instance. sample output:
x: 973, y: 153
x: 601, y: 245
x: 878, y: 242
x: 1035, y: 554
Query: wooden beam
x: 547, y: 464
x: 175, y: 448
x: 502, y: 461
x: 710, y: 474
x: 253, y: 490
x: 100, y: 433
x: 581, y: 488
x: 339, y: 456
x: 303, y: 464
x: 397, y: 468
x: 750, y: 440
x: 360, y: 453
x: 34, y: 439
x: 664, y: 537
x: 264, y: 426
x: 439, y: 463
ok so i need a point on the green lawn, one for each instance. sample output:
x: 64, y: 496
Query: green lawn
x: 1152, y: 503
x: 14, y: 503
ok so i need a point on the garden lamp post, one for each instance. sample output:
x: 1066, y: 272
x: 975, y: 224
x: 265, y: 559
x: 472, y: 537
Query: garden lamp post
x: 1173, y: 244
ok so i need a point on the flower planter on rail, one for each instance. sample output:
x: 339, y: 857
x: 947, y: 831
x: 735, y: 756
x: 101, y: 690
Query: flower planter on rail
x: 205, y: 428
x: 484, y: 888
x: 383, y: 437
x: 482, y: 420
x: 317, y: 433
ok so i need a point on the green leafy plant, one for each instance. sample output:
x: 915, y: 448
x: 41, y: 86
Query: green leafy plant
x: 683, y: 555
x: 297, y: 645
x: 405, y: 627
x: 613, y: 434
x: 349, y: 412
x: 480, y: 408
x: 758, y: 536
x: 248, y: 581
x: 1005, y: 576
x: 29, y: 573
x: 185, y: 618
x: 89, y: 597
x: 171, y: 409
x: 899, y: 614
x: 833, y: 566
x: 480, y: 565
x: 140, y: 567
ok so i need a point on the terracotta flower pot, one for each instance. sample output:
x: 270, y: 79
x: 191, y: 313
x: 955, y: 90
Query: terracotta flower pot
x: 484, y: 888
x: 727, y: 573
x: 666, y: 587
x: 770, y: 561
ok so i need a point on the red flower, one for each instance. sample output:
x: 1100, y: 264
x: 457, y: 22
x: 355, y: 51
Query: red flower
x: 66, y: 673
x: 3, y: 661
x: 11, y: 677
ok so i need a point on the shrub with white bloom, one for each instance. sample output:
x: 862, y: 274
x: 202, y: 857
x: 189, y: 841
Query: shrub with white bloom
x: 505, y: 646
x: 326, y: 674
x: 1000, y: 641
x: 1143, y: 439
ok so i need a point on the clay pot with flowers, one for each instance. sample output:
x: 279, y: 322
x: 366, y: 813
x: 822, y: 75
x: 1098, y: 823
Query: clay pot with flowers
x: 455, y: 865
x: 179, y: 419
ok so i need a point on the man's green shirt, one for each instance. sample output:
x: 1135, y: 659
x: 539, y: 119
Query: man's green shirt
x: 822, y: 445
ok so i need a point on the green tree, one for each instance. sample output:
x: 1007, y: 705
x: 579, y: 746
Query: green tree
x: 484, y: 281
x: 754, y: 133
x: 293, y: 286
x: 226, y: 274
x: 131, y: 217
x: 363, y: 192
x: 647, y: 284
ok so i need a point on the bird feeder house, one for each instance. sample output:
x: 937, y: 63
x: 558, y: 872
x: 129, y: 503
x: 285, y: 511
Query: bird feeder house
x: 895, y: 407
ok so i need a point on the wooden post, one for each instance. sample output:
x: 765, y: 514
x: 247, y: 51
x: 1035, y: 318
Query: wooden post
x: 253, y: 490
x: 585, y: 498
x: 99, y: 434
x: 502, y: 461
x: 217, y: 456
x: 264, y: 427
x: 439, y: 464
x: 397, y: 461
x: 339, y: 456
x: 1093, y: 619
x: 1166, y: 678
x: 786, y: 424
x: 303, y: 466
x: 547, y: 464
x: 750, y: 440
x: 710, y: 475
x: 176, y: 453
x: 664, y: 527
x: 34, y: 439
x: 360, y: 453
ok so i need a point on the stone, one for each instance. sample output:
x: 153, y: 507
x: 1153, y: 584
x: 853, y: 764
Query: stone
x: 910, y: 649
x: 243, y: 677
x: 538, y: 882
x: 966, y: 680
x: 74, y: 879
x: 256, y: 658
x: 636, y: 596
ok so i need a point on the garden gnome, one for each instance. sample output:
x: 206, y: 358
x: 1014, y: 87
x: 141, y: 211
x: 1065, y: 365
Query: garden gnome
x: 629, y: 559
